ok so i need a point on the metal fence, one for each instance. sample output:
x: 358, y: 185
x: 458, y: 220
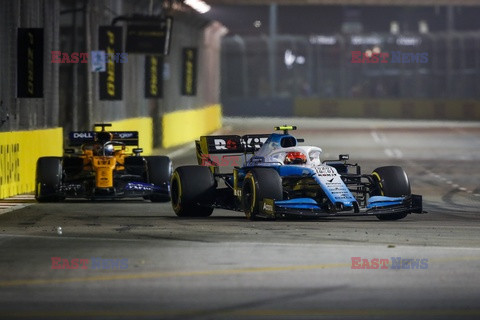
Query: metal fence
x: 441, y: 65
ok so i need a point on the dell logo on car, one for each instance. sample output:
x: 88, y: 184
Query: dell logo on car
x: 83, y: 135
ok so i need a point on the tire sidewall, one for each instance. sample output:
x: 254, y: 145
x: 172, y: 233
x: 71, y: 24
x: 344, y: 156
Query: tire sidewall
x: 176, y: 192
x: 392, y: 181
x: 193, y: 191
x: 264, y: 183
x: 250, y: 205
x: 48, y: 176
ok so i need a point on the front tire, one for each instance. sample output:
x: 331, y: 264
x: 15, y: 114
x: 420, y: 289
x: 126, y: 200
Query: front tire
x: 260, y: 183
x: 193, y: 191
x: 159, y: 173
x: 48, y: 179
x: 392, y: 181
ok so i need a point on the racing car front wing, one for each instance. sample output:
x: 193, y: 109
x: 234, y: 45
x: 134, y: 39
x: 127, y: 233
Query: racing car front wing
x: 129, y: 190
x: 308, y: 207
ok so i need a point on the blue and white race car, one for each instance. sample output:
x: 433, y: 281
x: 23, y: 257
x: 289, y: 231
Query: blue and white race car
x: 278, y: 177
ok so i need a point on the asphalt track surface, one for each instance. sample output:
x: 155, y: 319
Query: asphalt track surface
x: 225, y: 267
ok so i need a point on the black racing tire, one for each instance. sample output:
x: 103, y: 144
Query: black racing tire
x: 193, y: 191
x: 392, y: 181
x: 48, y: 179
x: 136, y: 166
x: 260, y: 183
x: 159, y: 173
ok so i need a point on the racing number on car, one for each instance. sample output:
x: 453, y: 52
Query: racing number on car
x: 325, y: 171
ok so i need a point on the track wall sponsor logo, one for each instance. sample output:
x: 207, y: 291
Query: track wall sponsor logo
x: 392, y: 263
x: 92, y: 263
x: 30, y: 62
x: 220, y: 161
x: 9, y: 163
x: 392, y: 57
x: 189, y: 71
x: 110, y: 82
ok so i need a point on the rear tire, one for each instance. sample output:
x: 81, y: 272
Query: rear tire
x: 48, y: 179
x: 392, y: 181
x: 260, y: 183
x: 159, y: 173
x: 193, y: 191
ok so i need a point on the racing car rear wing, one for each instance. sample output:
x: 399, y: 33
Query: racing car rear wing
x: 228, y: 144
x: 77, y: 138
x: 231, y: 143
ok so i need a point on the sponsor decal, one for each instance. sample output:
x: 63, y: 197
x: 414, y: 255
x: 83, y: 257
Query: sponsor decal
x: 254, y: 143
x: 231, y: 144
x: 92, y: 263
x: 238, y: 144
x: 139, y: 186
x: 325, y: 171
x: 392, y: 263
x: 267, y: 207
x: 82, y: 135
x: 220, y: 144
x: 125, y: 135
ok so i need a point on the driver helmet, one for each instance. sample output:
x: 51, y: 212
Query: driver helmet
x: 109, y: 150
x: 295, y: 158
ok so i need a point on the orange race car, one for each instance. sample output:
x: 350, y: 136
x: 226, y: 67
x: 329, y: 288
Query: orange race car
x: 103, y: 165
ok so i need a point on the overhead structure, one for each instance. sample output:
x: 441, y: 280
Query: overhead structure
x: 349, y: 2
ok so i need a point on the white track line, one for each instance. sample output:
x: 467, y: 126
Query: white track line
x: 452, y: 184
x: 16, y: 202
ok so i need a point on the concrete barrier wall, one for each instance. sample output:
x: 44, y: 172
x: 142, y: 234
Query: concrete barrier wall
x: 388, y: 108
x: 184, y: 126
x: 19, y: 152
